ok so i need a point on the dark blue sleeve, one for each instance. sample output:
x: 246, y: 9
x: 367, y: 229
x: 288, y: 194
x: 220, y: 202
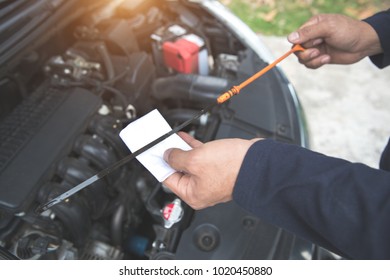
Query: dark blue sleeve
x: 381, y: 23
x: 339, y: 205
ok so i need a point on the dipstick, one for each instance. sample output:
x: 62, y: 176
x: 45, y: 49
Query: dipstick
x: 221, y: 99
x: 236, y: 89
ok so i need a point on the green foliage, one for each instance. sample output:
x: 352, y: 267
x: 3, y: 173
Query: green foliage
x: 280, y: 17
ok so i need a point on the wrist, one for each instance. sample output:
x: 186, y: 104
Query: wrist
x: 370, y: 43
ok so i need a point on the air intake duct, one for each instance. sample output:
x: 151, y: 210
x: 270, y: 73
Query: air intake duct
x: 204, y: 89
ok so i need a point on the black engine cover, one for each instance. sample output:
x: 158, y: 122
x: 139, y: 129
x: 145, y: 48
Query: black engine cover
x: 36, y: 134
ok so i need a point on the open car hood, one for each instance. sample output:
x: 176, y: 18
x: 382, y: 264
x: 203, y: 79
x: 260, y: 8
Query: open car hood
x: 74, y: 73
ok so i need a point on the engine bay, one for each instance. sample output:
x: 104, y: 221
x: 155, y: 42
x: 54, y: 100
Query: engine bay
x: 65, y: 98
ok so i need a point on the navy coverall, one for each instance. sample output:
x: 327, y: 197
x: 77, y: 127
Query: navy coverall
x: 339, y: 205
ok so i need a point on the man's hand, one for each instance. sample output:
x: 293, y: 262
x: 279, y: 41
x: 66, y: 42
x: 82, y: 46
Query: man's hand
x: 207, y: 173
x: 336, y: 39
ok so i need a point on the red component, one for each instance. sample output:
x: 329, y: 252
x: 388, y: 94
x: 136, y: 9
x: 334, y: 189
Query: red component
x: 181, y: 55
x: 168, y: 211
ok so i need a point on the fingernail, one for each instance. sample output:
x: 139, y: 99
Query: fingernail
x: 166, y: 154
x: 293, y: 37
x: 317, y: 42
x: 314, y: 53
x: 325, y: 60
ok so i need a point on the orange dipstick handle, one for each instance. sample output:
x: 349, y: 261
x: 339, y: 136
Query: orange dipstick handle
x: 236, y: 89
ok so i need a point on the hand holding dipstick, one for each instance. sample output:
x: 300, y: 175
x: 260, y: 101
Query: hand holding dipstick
x: 221, y: 99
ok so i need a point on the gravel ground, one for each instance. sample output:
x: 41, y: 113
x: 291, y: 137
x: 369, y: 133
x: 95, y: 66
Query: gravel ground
x: 347, y: 107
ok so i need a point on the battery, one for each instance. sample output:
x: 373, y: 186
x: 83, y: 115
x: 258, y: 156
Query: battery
x: 186, y: 55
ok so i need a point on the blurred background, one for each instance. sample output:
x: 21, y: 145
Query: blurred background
x: 280, y: 17
x: 347, y: 107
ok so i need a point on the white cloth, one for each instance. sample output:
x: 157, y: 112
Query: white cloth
x: 143, y: 131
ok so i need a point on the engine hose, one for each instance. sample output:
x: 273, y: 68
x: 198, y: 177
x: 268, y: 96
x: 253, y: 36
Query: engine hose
x: 152, y: 206
x: 116, y: 225
x: 103, y: 52
x: 122, y: 98
x: 189, y: 87
x: 102, y: 88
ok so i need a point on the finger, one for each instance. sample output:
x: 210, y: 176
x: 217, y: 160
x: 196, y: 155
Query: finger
x: 177, y: 159
x: 189, y: 139
x: 313, y: 43
x: 173, y: 183
x: 317, y: 62
x: 308, y: 55
x: 179, y: 184
x: 317, y: 42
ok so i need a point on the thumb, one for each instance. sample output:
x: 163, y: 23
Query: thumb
x: 176, y: 183
x: 177, y: 158
x: 312, y: 30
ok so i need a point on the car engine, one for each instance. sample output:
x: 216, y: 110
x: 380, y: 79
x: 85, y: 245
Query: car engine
x: 74, y: 74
